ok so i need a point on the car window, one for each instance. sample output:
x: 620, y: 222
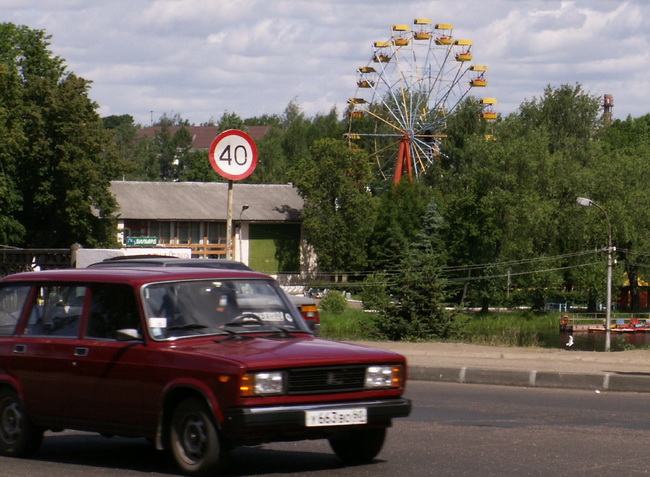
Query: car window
x: 192, y: 307
x: 112, y: 308
x: 12, y: 302
x: 56, y: 312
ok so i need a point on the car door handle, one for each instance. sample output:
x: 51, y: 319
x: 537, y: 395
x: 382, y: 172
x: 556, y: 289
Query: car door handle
x: 20, y: 348
x: 81, y: 352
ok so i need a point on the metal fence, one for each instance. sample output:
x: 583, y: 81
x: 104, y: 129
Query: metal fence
x: 14, y: 260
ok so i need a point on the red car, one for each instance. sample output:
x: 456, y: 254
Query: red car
x: 196, y: 360
x: 307, y: 306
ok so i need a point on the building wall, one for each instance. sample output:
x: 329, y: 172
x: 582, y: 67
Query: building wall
x: 269, y: 248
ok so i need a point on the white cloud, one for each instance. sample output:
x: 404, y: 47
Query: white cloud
x: 200, y: 58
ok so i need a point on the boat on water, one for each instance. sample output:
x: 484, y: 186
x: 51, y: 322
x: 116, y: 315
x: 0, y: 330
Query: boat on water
x: 596, y: 323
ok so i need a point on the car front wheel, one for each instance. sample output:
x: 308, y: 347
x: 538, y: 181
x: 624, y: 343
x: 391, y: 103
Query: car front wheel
x: 195, y: 442
x: 18, y: 436
x: 358, y: 446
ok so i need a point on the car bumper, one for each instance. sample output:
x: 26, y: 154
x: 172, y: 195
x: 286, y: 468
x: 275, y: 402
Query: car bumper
x: 289, y: 422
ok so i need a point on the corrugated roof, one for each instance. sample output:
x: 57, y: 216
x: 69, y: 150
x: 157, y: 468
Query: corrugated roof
x: 206, y: 201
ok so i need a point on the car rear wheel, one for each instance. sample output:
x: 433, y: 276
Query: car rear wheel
x: 18, y: 436
x: 195, y: 442
x: 358, y: 446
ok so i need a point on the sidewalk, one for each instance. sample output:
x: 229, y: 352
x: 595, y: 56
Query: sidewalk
x: 535, y: 367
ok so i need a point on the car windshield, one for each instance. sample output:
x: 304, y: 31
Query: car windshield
x: 199, y: 307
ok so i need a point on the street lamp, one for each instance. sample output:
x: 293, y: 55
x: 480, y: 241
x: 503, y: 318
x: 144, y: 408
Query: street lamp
x: 243, y: 208
x: 584, y: 202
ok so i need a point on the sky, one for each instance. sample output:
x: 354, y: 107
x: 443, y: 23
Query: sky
x: 202, y: 58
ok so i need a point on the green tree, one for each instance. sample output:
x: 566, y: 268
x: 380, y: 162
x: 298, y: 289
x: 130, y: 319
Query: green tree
x: 231, y: 121
x: 131, y: 149
x: 196, y: 167
x: 272, y: 161
x: 339, y: 210
x: 326, y: 126
x: 419, y: 292
x: 12, y: 140
x: 620, y: 187
x: 512, y: 196
x: 295, y: 140
x: 568, y: 114
x: 62, y: 157
x: 175, y: 119
x: 399, y: 221
x: 172, y: 150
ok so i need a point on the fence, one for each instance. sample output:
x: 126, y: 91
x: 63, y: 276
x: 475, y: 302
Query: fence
x: 22, y: 260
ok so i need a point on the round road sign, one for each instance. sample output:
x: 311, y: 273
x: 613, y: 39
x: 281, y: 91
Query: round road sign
x: 233, y: 155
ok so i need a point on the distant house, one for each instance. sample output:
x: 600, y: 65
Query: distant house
x: 202, y: 136
x: 266, y: 221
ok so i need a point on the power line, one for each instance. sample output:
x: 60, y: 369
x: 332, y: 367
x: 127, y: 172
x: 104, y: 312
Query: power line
x: 519, y: 262
x: 480, y: 266
x: 529, y: 272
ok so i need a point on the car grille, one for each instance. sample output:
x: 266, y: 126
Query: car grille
x: 326, y: 379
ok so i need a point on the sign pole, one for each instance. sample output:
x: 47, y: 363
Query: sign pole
x: 229, y: 221
x: 233, y: 155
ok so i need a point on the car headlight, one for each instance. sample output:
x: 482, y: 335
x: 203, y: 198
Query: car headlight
x: 262, y: 384
x: 390, y: 376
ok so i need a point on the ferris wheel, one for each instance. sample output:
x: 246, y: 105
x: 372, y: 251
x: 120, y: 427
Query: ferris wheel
x: 410, y: 86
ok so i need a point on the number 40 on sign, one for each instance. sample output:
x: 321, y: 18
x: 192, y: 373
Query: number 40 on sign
x: 233, y: 155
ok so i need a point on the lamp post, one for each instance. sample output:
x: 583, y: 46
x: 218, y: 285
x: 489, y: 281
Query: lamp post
x: 243, y: 208
x: 584, y: 202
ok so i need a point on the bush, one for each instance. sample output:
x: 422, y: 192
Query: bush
x: 334, y: 302
x: 374, y: 293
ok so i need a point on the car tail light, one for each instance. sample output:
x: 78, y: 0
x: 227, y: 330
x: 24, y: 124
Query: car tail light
x: 310, y: 312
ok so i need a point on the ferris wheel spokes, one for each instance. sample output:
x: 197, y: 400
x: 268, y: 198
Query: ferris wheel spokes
x: 410, y: 86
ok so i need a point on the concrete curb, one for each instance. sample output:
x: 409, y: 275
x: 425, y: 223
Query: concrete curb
x: 615, y: 381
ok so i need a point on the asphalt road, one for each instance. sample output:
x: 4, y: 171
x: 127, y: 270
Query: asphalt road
x: 454, y: 430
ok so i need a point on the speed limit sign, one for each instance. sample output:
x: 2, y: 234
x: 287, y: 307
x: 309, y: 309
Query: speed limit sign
x: 233, y: 155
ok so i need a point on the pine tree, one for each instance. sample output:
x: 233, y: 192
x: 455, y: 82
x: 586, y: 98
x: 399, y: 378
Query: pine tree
x: 419, y: 291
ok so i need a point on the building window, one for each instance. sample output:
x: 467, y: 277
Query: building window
x: 136, y: 228
x: 216, y: 233
x: 189, y: 232
x: 161, y: 230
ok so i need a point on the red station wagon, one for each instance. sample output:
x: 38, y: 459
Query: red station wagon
x: 196, y: 360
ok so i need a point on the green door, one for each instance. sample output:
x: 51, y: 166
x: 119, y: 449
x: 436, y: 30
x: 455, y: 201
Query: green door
x: 275, y: 248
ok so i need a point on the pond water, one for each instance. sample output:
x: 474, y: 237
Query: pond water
x: 585, y: 341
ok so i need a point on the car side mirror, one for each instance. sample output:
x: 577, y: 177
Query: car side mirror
x: 128, y: 334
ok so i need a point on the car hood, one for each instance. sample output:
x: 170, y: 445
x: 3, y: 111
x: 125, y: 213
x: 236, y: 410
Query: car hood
x: 268, y: 352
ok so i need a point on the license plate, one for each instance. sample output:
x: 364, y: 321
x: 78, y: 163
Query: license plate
x: 271, y: 316
x: 338, y: 417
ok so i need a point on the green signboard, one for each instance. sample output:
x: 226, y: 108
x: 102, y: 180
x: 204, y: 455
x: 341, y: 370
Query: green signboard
x: 141, y: 241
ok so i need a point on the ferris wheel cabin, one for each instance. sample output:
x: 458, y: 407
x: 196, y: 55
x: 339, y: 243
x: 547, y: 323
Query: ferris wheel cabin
x: 465, y: 54
x: 479, y: 81
x: 364, y: 81
x: 444, y: 37
x: 488, y: 113
x: 401, y: 35
x: 382, y: 53
x: 422, y: 29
